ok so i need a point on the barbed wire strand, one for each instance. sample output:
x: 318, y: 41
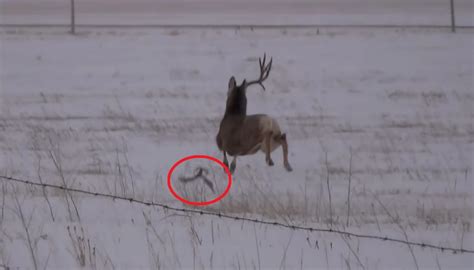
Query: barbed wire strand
x: 239, y: 218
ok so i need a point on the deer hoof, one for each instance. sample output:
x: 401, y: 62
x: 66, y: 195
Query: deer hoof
x: 232, y: 168
x: 270, y: 162
x: 288, y: 167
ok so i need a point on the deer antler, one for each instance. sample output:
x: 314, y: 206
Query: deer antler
x: 264, y: 72
x: 200, y: 173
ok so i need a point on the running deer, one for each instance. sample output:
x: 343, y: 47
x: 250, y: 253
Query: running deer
x: 241, y: 134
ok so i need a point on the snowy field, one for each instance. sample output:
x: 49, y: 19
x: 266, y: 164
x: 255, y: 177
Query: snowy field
x: 110, y: 110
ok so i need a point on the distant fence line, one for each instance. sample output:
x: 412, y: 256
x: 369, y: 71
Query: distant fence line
x: 73, y: 17
x: 72, y: 23
x: 240, y: 218
x: 232, y: 26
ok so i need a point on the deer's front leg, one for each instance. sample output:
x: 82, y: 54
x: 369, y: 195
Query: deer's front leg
x: 233, y: 165
x: 226, y: 163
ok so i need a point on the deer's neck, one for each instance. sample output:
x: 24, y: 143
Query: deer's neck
x: 236, y: 105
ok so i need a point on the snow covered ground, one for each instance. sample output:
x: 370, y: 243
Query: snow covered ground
x: 240, y: 12
x: 110, y: 110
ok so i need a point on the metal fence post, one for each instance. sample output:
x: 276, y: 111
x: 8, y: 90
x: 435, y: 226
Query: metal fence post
x: 453, y: 20
x: 73, y: 18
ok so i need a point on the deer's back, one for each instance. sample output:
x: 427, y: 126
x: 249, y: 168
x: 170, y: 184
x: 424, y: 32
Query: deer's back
x: 245, y: 136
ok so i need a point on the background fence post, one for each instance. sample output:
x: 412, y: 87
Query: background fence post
x: 453, y: 20
x: 73, y: 18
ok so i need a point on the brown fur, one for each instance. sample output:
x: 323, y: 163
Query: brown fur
x: 246, y: 135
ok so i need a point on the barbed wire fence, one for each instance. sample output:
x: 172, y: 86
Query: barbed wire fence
x: 240, y: 218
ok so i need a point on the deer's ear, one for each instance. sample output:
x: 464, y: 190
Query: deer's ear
x: 244, y: 83
x: 232, y: 83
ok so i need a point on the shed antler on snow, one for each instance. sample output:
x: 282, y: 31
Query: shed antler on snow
x: 199, y: 173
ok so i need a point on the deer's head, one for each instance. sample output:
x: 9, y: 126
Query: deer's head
x: 236, y: 94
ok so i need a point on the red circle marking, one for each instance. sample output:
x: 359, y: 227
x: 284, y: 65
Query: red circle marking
x: 220, y: 197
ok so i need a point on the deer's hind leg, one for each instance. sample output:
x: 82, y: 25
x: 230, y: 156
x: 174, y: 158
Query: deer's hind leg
x: 284, y: 145
x: 268, y: 148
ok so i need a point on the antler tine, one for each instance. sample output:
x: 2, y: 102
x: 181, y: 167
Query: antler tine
x: 264, y: 71
x: 267, y: 68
